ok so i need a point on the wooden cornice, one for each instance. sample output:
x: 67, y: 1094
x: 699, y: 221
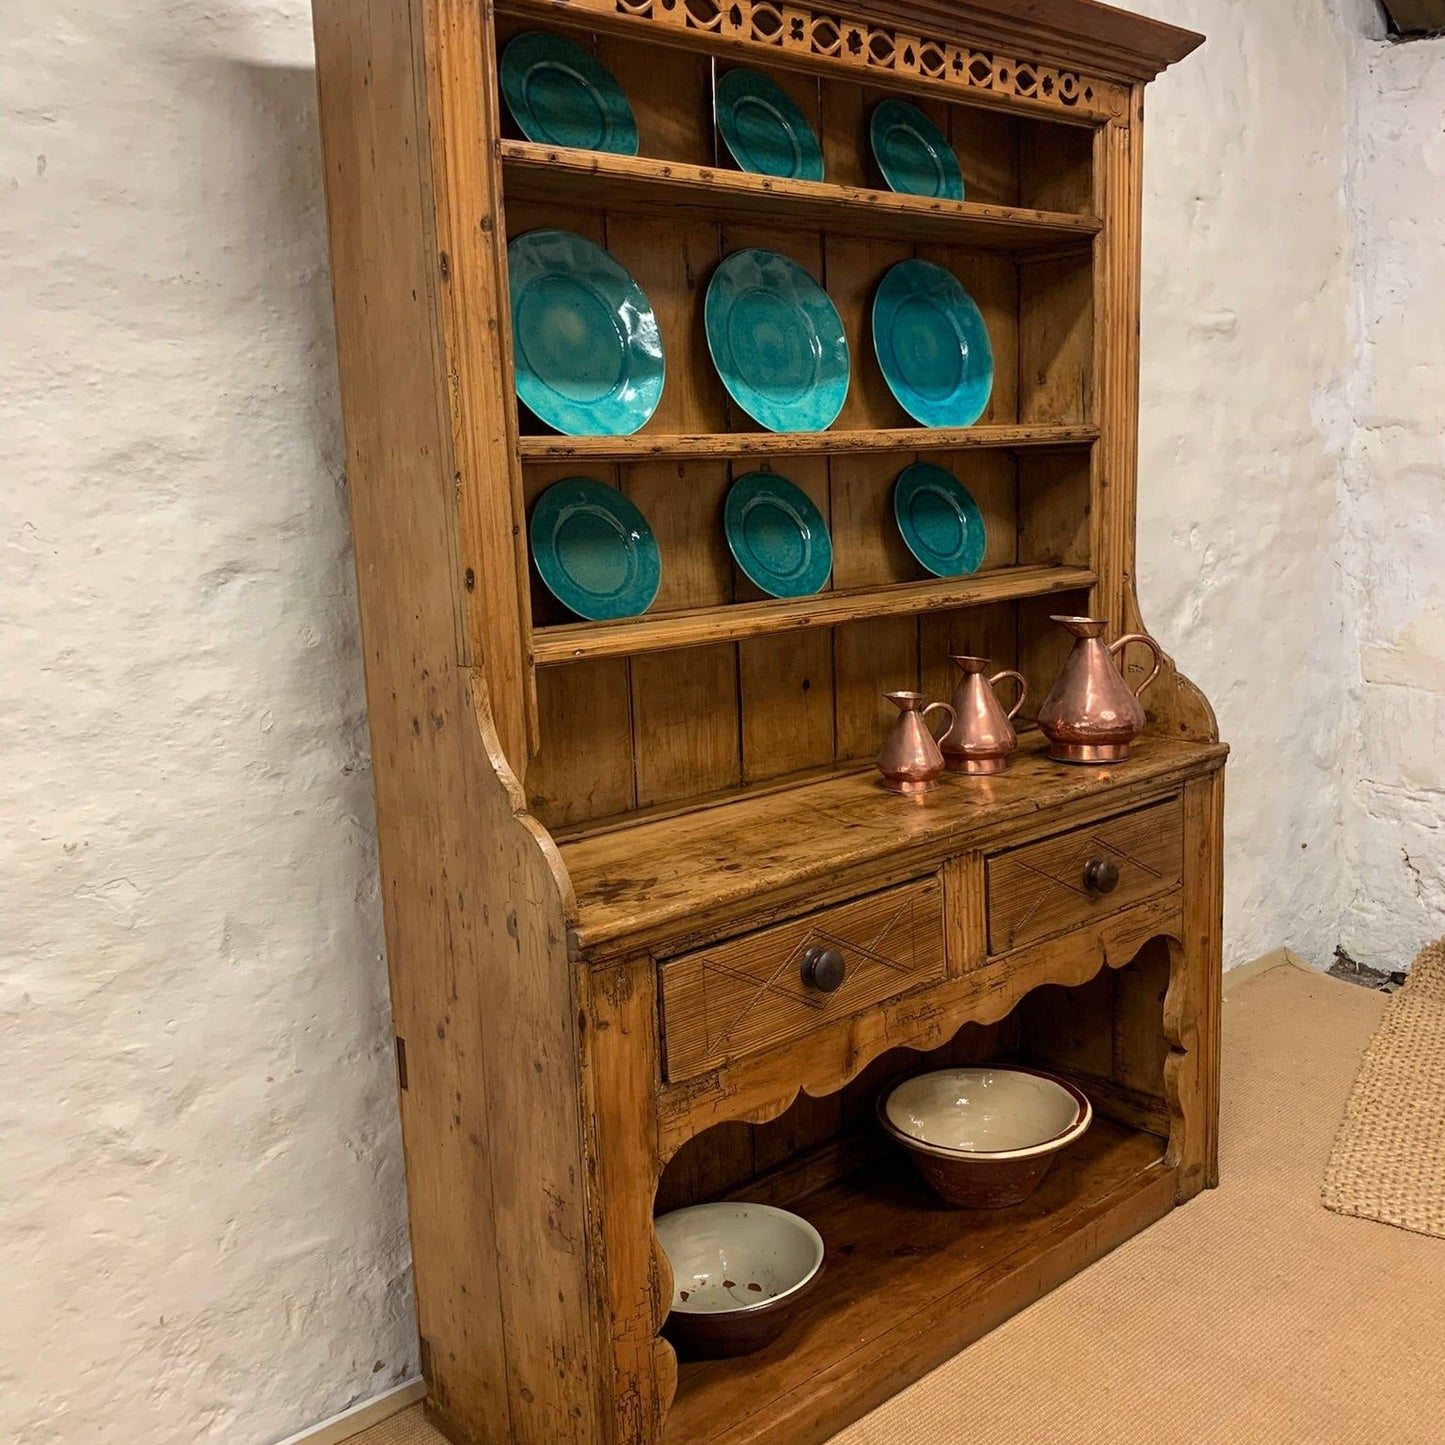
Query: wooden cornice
x: 1074, y: 34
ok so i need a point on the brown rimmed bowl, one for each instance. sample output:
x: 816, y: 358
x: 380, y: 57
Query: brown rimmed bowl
x: 739, y: 1273
x: 984, y: 1137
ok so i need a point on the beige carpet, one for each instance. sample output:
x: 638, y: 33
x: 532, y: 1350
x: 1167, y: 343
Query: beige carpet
x: 1388, y: 1162
x: 1253, y: 1316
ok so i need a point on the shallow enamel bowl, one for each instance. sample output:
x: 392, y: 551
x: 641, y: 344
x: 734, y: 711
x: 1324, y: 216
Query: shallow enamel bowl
x: 739, y: 1271
x: 984, y: 1137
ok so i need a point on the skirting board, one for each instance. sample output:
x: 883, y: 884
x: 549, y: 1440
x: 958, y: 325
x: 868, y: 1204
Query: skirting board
x: 350, y: 1423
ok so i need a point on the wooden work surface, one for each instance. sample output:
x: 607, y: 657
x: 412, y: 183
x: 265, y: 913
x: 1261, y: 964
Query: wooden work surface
x: 669, y: 877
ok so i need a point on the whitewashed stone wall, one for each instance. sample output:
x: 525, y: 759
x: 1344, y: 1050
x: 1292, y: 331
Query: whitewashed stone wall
x: 202, y: 1227
x: 1393, y: 514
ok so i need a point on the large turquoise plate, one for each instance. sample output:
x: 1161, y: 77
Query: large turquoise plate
x: 939, y: 519
x: 594, y: 550
x: 588, y: 352
x: 777, y: 536
x: 932, y: 345
x: 912, y: 153
x: 560, y: 95
x: 777, y: 342
x: 765, y: 133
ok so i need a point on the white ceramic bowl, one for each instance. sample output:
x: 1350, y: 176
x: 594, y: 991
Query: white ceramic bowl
x: 738, y: 1271
x: 1000, y: 1111
x: 984, y: 1137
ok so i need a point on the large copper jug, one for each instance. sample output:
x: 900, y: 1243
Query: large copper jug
x: 982, y: 735
x: 910, y: 760
x: 1091, y: 715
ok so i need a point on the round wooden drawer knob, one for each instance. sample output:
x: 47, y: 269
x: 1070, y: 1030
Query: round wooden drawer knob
x: 824, y: 969
x: 1101, y: 875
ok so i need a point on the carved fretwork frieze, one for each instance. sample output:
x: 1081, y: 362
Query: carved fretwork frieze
x: 878, y: 50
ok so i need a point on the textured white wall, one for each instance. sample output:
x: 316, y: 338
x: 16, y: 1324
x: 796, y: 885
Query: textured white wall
x: 1246, y: 355
x: 202, y: 1223
x: 202, y: 1230
x: 1394, y: 531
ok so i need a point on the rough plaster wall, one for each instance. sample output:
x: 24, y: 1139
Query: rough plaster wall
x: 201, y: 1213
x: 1391, y: 507
x: 1246, y: 358
x: 202, y: 1223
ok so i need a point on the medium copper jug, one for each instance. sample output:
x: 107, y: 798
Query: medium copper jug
x: 911, y: 761
x: 982, y: 735
x: 1091, y: 715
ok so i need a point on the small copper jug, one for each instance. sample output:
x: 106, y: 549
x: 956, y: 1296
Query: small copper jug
x: 982, y: 735
x: 1091, y: 715
x: 911, y: 761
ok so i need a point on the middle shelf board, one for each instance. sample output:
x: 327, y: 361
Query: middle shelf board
x: 553, y: 174
x: 645, y: 447
x: 733, y: 622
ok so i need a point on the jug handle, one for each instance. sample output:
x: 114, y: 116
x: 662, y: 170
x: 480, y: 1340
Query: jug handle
x: 1018, y: 677
x: 1116, y: 648
x: 948, y: 708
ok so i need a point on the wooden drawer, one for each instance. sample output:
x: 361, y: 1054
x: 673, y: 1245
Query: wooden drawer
x: 747, y: 994
x: 1042, y: 888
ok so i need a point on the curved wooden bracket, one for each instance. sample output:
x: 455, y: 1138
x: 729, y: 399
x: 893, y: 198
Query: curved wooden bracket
x: 1174, y: 705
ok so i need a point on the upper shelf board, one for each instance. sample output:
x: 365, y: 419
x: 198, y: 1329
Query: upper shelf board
x: 556, y: 175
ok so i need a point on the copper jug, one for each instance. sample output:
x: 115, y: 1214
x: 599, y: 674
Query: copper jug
x: 1091, y: 715
x: 982, y: 735
x: 911, y: 761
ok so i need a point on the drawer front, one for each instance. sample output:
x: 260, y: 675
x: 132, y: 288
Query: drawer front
x: 748, y: 994
x: 1052, y: 886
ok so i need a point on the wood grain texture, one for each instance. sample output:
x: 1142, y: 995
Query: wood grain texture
x: 456, y: 114
x: 809, y: 444
x: 681, y: 751
x: 1040, y: 888
x: 480, y: 983
x: 668, y: 632
x: 744, y: 995
x: 908, y: 1287
x: 643, y: 186
x: 632, y: 1278
x: 761, y: 1087
x: 676, y: 877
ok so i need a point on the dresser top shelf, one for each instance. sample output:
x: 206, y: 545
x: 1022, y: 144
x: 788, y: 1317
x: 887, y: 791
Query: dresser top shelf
x: 671, y: 877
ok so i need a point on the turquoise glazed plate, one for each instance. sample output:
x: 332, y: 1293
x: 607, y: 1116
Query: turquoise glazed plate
x: 594, y: 550
x: 777, y: 342
x: 932, y: 345
x: 912, y: 153
x: 763, y: 129
x: 560, y: 95
x: 939, y: 519
x: 588, y: 352
x: 777, y: 536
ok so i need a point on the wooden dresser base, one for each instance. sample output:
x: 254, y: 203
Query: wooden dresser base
x: 910, y: 1283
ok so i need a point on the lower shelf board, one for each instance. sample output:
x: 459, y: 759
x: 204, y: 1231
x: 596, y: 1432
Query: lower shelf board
x: 909, y: 1282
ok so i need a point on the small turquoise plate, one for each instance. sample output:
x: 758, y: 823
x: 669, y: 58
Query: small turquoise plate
x: 777, y: 536
x: 763, y: 129
x: 777, y: 342
x: 594, y: 550
x: 939, y: 519
x: 560, y: 95
x: 912, y: 153
x: 588, y: 351
x: 932, y: 345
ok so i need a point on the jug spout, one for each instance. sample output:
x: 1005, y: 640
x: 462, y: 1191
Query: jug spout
x: 1091, y: 714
